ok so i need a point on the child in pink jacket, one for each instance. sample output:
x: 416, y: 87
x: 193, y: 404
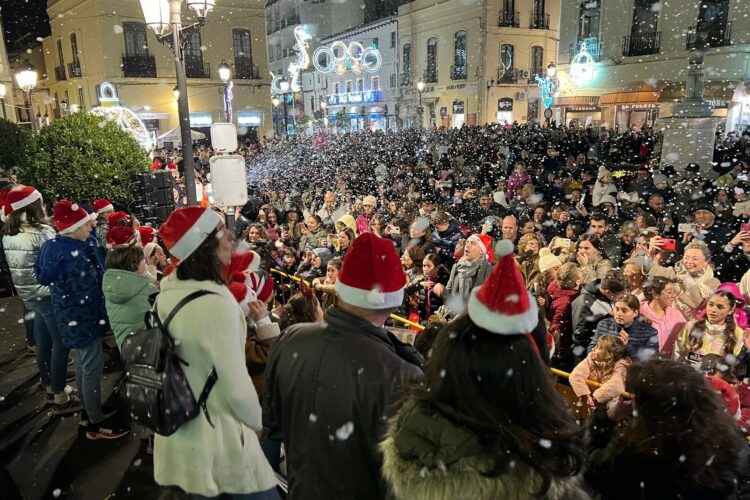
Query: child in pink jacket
x: 605, y: 364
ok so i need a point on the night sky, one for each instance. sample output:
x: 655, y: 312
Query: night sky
x: 21, y: 17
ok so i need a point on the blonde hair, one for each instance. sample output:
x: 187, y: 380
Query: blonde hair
x: 567, y: 276
x: 699, y: 245
x: 614, y: 350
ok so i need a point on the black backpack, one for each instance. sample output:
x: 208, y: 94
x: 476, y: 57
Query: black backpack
x: 156, y: 388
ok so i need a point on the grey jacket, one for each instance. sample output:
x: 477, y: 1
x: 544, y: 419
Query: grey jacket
x: 20, y: 253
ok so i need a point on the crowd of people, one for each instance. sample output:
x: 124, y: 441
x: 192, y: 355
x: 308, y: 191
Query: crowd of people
x: 509, y: 250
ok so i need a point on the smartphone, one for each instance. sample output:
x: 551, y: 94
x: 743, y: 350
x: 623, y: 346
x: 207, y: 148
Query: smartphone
x: 686, y: 228
x: 745, y: 227
x: 564, y: 242
x: 583, y: 198
x: 395, y: 230
x: 489, y: 222
x: 669, y: 244
x: 742, y: 177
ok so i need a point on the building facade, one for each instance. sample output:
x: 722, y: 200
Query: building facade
x: 640, y: 54
x: 365, y: 94
x: 6, y: 80
x: 98, y: 41
x: 478, y: 60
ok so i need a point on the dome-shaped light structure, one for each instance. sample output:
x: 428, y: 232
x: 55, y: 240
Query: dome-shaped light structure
x: 27, y: 76
x: 156, y: 15
x: 201, y: 7
x: 420, y: 86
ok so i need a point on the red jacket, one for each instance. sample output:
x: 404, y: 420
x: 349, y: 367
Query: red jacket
x: 559, y: 314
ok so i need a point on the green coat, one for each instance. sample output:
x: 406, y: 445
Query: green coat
x: 126, y: 297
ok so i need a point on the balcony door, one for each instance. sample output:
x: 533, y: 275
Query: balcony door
x: 136, y: 43
x: 712, y: 28
x: 645, y: 17
x: 589, y: 19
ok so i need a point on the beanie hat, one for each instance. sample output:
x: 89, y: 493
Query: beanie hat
x: 485, y: 242
x: 186, y: 229
x: 727, y: 392
x: 603, y: 172
x: 68, y: 216
x: 348, y: 221
x: 102, y: 205
x: 19, y: 197
x: 261, y: 283
x: 502, y: 304
x: 324, y: 254
x: 148, y: 249
x: 548, y: 260
x: 118, y: 218
x: 659, y: 178
x: 121, y: 235
x: 243, y: 295
x: 370, y: 200
x: 441, y: 217
x: 147, y: 234
x: 3, y: 194
x: 371, y: 276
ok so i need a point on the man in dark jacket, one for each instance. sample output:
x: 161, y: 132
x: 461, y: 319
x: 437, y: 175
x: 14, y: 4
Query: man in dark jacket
x: 445, y: 236
x: 594, y: 304
x: 330, y: 386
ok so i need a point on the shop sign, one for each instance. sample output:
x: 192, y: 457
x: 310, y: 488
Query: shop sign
x: 458, y: 107
x: 579, y: 109
x: 201, y: 119
x: 249, y: 119
x: 505, y: 104
x: 717, y: 103
x: 444, y: 111
x: 457, y: 86
x: 355, y: 97
x: 639, y: 106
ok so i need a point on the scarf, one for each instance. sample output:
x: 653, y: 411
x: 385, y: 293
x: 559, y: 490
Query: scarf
x: 463, y: 281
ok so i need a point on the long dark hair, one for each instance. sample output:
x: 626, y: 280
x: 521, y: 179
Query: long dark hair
x: 499, y: 387
x: 730, y: 337
x: 595, y: 241
x: 35, y: 217
x: 683, y: 423
x: 202, y: 265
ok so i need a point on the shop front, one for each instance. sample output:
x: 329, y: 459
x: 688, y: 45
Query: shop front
x: 580, y: 111
x: 504, y: 114
x: 631, y: 107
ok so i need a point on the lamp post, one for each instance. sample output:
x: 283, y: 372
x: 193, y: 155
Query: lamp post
x: 420, y: 109
x: 2, y: 99
x: 163, y: 15
x: 276, y: 101
x: 26, y: 80
x: 324, y: 108
x: 284, y: 86
x: 225, y: 73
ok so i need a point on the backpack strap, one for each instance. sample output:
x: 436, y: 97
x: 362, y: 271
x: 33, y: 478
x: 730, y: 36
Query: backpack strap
x: 210, y: 381
x: 188, y: 298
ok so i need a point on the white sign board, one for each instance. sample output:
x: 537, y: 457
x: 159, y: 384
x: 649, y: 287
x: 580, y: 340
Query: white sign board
x: 224, y: 137
x: 229, y: 180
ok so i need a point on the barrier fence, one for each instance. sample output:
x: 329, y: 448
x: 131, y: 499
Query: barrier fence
x: 559, y: 373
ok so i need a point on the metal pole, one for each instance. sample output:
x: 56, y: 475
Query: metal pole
x: 32, y: 118
x: 5, y: 114
x: 182, y: 104
x: 421, y: 112
x: 286, y: 118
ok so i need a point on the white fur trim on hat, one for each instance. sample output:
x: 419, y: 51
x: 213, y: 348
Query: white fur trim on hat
x: 28, y: 200
x: 197, y: 234
x: 149, y: 248
x: 369, y: 299
x: 106, y: 208
x: 73, y: 227
x: 476, y: 239
x: 516, y: 324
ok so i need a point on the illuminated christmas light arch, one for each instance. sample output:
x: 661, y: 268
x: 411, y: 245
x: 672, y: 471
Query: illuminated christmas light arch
x: 110, y: 109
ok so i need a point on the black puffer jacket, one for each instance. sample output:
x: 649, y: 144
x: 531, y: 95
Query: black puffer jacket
x: 329, y: 391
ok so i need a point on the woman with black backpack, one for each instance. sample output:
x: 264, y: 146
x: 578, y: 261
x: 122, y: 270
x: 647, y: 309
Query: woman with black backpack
x: 217, y: 453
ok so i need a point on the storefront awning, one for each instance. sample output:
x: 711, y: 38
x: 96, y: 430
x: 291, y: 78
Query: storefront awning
x: 635, y: 93
x: 577, y: 100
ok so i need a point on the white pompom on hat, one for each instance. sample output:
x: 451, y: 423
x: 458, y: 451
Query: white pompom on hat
x: 502, y: 304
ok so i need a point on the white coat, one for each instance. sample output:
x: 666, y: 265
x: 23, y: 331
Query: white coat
x: 226, y: 458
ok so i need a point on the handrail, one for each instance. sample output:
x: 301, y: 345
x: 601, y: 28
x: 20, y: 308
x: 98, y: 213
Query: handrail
x: 394, y: 317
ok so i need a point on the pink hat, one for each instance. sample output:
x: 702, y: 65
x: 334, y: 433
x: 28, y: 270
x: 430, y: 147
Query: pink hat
x: 68, y: 216
x: 186, y: 229
x: 121, y: 235
x: 371, y: 276
x: 485, y: 242
x: 502, y: 304
x: 19, y: 197
x: 102, y: 205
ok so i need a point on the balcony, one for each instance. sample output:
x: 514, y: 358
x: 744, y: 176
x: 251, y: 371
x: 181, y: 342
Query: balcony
x: 509, y: 19
x: 430, y: 76
x: 458, y: 72
x: 139, y: 66
x: 592, y: 44
x: 508, y: 76
x: 60, y: 73
x: 74, y: 70
x: 244, y: 69
x: 641, y: 44
x: 533, y: 73
x: 709, y: 35
x: 196, y: 68
x: 406, y: 79
x: 539, y: 21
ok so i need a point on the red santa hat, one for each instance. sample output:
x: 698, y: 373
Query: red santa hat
x: 3, y: 195
x: 121, y: 235
x: 102, y: 205
x: 244, y: 261
x: 148, y: 249
x: 243, y: 294
x: 68, y: 216
x: 118, y: 218
x: 728, y: 394
x: 371, y: 276
x: 484, y: 241
x: 147, y: 234
x: 502, y: 304
x: 261, y: 283
x: 186, y: 229
x: 19, y: 197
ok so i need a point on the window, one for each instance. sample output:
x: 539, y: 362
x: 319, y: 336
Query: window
x: 74, y: 49
x: 241, y: 44
x: 507, y: 57
x: 312, y: 103
x: 459, y: 55
x: 407, y: 63
x: 589, y: 16
x: 193, y: 47
x: 60, y: 53
x: 136, y: 43
x: 537, y: 61
x: 194, y: 57
x: 278, y: 52
x: 375, y: 83
x: 393, y: 39
x: 431, y: 73
x: 348, y: 86
x: 394, y: 80
x: 337, y: 88
x: 533, y: 110
x: 80, y: 99
x: 360, y: 84
x: 645, y: 17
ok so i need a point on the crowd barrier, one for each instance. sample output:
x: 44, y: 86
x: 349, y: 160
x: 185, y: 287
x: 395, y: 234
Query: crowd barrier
x: 399, y: 319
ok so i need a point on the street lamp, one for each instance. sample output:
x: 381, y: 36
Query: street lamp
x: 551, y: 70
x: 276, y: 102
x: 26, y: 80
x: 225, y: 73
x: 284, y: 87
x: 176, y: 93
x: 324, y: 109
x: 2, y: 99
x: 161, y: 16
x: 420, y: 109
